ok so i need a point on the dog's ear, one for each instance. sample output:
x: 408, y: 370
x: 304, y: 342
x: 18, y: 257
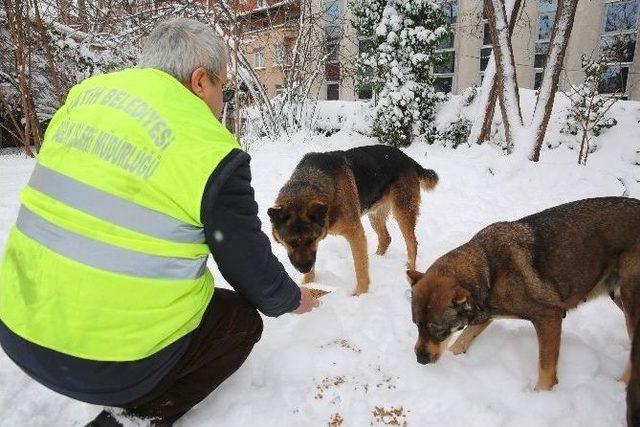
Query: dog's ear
x: 318, y: 212
x: 414, y: 276
x: 277, y: 214
x: 462, y: 299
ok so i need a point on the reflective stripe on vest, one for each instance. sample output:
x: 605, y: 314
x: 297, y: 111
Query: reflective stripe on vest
x: 104, y: 256
x: 112, y: 208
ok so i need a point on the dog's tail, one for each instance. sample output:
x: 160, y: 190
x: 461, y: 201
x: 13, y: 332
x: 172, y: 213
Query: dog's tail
x: 428, y: 177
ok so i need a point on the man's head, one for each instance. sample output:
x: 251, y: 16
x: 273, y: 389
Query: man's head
x: 193, y: 53
x: 440, y: 307
x: 299, y: 226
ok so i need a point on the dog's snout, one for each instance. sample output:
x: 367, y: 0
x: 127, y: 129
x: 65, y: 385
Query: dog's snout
x: 304, y: 267
x: 423, y: 359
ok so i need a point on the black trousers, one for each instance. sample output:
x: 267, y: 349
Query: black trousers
x: 219, y: 346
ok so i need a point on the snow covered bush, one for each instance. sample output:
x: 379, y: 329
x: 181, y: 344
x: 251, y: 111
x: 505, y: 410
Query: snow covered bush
x: 587, y: 116
x: 456, y: 133
x: 469, y: 95
x: 399, y: 65
x: 81, y: 59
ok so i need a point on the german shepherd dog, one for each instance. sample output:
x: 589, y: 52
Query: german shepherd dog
x: 327, y: 194
x: 535, y: 268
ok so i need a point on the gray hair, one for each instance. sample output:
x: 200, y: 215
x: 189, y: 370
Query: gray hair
x: 178, y: 46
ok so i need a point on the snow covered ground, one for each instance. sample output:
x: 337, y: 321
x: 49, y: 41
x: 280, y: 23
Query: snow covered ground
x: 351, y: 361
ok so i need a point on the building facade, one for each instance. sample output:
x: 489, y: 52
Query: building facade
x: 600, y: 26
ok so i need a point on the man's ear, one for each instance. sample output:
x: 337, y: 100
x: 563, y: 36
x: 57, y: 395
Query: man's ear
x: 462, y: 299
x: 277, y: 214
x: 414, y: 276
x: 318, y: 212
x: 196, y: 81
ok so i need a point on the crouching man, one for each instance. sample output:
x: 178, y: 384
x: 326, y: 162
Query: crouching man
x: 105, y: 295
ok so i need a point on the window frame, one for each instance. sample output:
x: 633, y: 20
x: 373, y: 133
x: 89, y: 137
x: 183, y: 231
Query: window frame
x: 449, y: 50
x: 279, y: 54
x: 539, y: 70
x: 485, y: 23
x: 255, y: 59
x: 337, y: 85
x: 619, y: 33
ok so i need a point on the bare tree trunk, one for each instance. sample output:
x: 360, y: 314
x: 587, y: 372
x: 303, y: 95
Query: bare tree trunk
x: 236, y: 99
x: 562, y: 26
x: 64, y: 9
x: 481, y: 130
x: 13, y: 128
x: 247, y: 73
x: 46, y: 44
x: 507, y: 84
x: 583, y: 147
x: 16, y: 11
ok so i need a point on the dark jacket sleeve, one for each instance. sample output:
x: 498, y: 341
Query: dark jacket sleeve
x: 240, y: 249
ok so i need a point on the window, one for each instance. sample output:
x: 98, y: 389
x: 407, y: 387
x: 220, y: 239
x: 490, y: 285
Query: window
x: 242, y: 1
x: 445, y: 63
x: 333, y: 52
x: 291, y: 21
x: 537, y: 80
x: 333, y: 92
x: 546, y: 17
x: 258, y: 59
x: 443, y: 84
x: 540, y: 57
x: 279, y: 90
x: 447, y: 42
x: 618, y: 44
x: 621, y: 16
x: 279, y: 53
x: 485, y: 54
x: 486, y: 35
x: 365, y: 91
x: 486, y: 49
x: 332, y: 26
x: 618, y: 48
x: 332, y: 71
x: 444, y: 68
x: 450, y: 11
x: 262, y: 4
x: 614, y: 80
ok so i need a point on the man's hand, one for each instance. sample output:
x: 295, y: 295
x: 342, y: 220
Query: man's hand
x: 307, y: 301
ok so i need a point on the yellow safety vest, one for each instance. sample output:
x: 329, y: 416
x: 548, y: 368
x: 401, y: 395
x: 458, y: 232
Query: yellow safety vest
x: 107, y: 260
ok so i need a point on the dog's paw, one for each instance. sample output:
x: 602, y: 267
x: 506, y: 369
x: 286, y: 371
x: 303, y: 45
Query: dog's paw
x: 544, y: 385
x: 458, y: 348
x: 626, y: 375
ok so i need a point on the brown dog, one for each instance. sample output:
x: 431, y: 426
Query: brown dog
x: 633, y: 389
x: 327, y: 194
x: 535, y: 268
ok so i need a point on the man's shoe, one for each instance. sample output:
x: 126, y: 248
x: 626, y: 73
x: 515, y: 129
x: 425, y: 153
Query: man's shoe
x: 105, y: 419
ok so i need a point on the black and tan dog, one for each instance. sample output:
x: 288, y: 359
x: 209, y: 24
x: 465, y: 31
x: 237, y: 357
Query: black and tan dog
x: 327, y: 194
x: 535, y: 268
